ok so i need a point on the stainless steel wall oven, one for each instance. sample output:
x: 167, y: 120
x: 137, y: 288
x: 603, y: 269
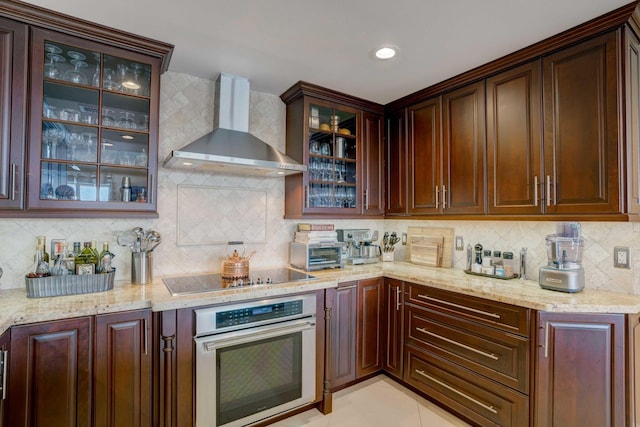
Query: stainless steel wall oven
x: 254, y: 360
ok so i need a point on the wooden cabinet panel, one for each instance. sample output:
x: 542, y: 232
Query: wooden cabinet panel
x: 51, y: 371
x: 370, y: 313
x: 393, y: 321
x: 581, y: 127
x: 467, y: 393
x: 633, y: 376
x: 632, y: 136
x: 123, y: 369
x: 4, y: 366
x: 580, y: 372
x: 342, y: 346
x: 13, y: 93
x: 463, y: 150
x: 498, y: 355
x: 499, y: 315
x: 373, y: 164
x: 514, y: 134
x: 396, y: 161
x: 425, y: 157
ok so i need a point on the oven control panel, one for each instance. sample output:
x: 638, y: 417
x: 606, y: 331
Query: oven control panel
x: 260, y: 313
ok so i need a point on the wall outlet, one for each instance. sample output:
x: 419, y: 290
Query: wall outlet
x: 459, y: 243
x: 621, y: 257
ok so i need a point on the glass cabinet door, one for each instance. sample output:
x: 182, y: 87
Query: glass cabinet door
x: 94, y: 132
x: 332, y: 158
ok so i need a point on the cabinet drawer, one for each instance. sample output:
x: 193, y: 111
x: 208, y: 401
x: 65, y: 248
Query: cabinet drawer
x: 499, y: 315
x: 473, y: 396
x: 499, y: 355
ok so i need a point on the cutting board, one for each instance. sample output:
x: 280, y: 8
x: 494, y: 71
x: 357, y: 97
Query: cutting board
x: 430, y: 246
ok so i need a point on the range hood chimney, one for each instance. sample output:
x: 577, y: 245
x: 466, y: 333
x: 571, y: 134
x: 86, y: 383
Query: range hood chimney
x: 230, y: 148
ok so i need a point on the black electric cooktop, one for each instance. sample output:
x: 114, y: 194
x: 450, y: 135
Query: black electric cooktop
x: 184, y: 285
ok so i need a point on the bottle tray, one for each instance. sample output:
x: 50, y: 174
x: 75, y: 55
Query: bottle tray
x: 493, y: 276
x: 54, y: 286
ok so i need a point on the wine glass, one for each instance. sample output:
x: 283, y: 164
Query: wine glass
x: 137, y: 84
x: 351, y: 195
x: 90, y: 140
x: 108, y: 117
x: 51, y: 69
x: 127, y: 121
x: 95, y: 80
x: 124, y: 78
x: 76, y: 75
x: 52, y: 136
x: 109, y: 79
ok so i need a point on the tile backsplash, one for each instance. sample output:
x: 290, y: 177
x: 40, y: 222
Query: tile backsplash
x: 186, y: 113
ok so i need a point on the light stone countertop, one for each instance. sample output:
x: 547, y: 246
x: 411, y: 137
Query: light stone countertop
x: 16, y: 308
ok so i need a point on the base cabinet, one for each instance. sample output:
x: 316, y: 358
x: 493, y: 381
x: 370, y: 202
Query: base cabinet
x: 123, y: 369
x: 50, y: 374
x: 4, y: 355
x: 580, y: 372
x: 392, y: 327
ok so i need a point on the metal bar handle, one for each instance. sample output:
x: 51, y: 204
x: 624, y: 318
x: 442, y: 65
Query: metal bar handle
x: 444, y: 197
x: 456, y: 391
x: 5, y: 363
x: 437, y: 195
x: 306, y: 196
x: 262, y: 333
x: 151, y: 195
x: 347, y: 287
x: 486, y: 313
x: 145, y: 335
x: 535, y: 190
x: 548, y: 190
x: 546, y: 340
x: 398, y: 304
x: 366, y: 199
x: 14, y: 179
x: 450, y: 341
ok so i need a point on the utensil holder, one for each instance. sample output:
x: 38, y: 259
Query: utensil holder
x: 387, y: 256
x: 141, y: 267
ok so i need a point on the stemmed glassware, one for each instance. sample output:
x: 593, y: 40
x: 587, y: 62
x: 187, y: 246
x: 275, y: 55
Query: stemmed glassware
x: 351, y: 195
x: 95, y: 80
x: 51, y: 69
x: 76, y: 75
x: 52, y: 136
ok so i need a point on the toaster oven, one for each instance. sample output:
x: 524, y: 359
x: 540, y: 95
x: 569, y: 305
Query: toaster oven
x: 316, y: 256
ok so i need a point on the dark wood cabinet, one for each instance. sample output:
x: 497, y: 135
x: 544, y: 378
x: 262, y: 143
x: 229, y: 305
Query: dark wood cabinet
x: 396, y: 164
x: 580, y: 370
x: 369, y: 324
x: 339, y: 138
x: 373, y: 164
x: 92, y: 95
x: 50, y: 378
x: 632, y: 131
x: 581, y: 139
x: 392, y: 327
x: 425, y: 157
x: 463, y: 133
x: 514, y: 137
x: 341, y: 350
x: 13, y: 93
x: 4, y: 380
x: 123, y: 369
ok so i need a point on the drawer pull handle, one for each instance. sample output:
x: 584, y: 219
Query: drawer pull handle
x: 458, y: 392
x: 398, y: 302
x: 486, y: 313
x: 475, y: 350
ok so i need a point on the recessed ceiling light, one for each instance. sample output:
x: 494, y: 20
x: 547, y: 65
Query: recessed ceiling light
x: 385, y: 53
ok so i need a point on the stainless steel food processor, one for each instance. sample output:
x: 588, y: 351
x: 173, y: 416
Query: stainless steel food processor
x: 564, y: 271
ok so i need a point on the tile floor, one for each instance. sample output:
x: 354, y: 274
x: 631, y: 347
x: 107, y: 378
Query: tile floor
x: 377, y: 402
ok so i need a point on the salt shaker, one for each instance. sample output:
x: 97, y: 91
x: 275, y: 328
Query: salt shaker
x: 125, y: 191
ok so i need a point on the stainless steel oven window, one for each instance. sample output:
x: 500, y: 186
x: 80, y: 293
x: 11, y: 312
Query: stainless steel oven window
x: 251, y: 374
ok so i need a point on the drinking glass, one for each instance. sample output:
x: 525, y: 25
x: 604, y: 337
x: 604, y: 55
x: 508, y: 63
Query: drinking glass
x: 51, y: 69
x: 95, y: 80
x: 51, y: 138
x: 108, y: 117
x: 90, y: 141
x: 127, y: 121
x: 351, y: 195
x: 109, y: 79
x: 76, y: 75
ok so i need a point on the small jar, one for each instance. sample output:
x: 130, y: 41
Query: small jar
x: 507, y: 261
x: 486, y: 258
x: 496, y: 260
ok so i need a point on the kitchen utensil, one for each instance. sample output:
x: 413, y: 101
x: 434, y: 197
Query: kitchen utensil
x: 127, y: 239
x: 236, y: 266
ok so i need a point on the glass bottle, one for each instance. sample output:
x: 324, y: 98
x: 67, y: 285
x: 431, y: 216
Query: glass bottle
x: 42, y: 241
x: 104, y: 266
x: 60, y: 267
x: 41, y: 267
x: 86, y: 261
x: 94, y: 251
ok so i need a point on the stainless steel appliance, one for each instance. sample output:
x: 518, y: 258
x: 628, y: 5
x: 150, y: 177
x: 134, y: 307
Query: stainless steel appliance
x: 316, y: 256
x: 184, y: 285
x: 563, y: 271
x: 360, y: 246
x: 254, y: 360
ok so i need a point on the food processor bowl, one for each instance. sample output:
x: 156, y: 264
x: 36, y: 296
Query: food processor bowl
x: 564, y: 252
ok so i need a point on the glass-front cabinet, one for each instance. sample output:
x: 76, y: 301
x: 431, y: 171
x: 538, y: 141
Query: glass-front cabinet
x: 339, y: 138
x: 332, y: 176
x: 93, y: 126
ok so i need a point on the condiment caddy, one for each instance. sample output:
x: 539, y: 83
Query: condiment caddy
x: 496, y: 264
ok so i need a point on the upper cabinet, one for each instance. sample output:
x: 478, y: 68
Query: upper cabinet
x: 340, y: 139
x: 91, y: 132
x: 13, y: 86
x: 549, y: 132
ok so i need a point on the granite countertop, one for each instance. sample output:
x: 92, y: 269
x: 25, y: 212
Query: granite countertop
x: 16, y: 308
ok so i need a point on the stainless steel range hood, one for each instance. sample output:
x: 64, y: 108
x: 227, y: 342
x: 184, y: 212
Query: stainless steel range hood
x: 230, y: 148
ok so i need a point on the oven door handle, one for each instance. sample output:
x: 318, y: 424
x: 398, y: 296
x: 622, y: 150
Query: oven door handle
x: 248, y: 335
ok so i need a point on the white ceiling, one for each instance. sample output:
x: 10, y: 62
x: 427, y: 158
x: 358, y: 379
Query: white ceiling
x: 329, y: 42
